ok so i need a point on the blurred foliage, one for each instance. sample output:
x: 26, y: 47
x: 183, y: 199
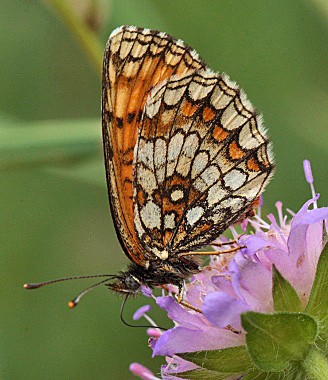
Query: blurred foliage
x: 55, y: 218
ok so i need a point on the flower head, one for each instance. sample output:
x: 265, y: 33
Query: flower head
x: 268, y: 282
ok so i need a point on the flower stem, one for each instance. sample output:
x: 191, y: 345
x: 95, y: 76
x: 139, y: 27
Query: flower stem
x: 316, y: 365
x: 86, y: 37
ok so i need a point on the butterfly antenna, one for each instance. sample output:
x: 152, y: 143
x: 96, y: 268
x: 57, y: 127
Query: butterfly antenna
x: 128, y: 324
x: 77, y: 299
x: 40, y: 284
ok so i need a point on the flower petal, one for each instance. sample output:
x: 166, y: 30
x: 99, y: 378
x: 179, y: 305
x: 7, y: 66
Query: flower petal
x: 224, y: 284
x: 255, y: 243
x: 255, y: 283
x: 179, y: 314
x: 222, y: 310
x: 174, y: 366
x: 182, y: 339
x: 235, y: 277
x: 301, y: 248
x: 146, y: 291
x: 306, y: 216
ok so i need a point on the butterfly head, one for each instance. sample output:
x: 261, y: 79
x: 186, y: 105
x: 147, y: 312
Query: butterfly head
x: 125, y: 283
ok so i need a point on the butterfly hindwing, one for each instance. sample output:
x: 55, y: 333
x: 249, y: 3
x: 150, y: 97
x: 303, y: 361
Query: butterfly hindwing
x: 202, y: 159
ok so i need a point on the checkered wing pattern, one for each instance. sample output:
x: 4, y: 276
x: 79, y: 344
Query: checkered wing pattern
x: 186, y: 154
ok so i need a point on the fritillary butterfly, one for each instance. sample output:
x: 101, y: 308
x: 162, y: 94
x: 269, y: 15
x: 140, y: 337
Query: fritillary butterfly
x: 186, y: 154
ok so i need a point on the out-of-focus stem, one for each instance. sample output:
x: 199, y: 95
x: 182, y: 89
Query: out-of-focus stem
x: 85, y: 36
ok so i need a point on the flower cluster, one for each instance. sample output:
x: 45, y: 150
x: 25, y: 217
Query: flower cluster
x: 262, y: 312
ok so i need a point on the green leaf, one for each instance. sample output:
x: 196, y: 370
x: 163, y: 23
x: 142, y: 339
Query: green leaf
x: 316, y: 365
x: 222, y: 360
x: 284, y: 295
x: 47, y: 143
x: 202, y: 374
x: 318, y: 301
x: 273, y: 340
x: 289, y: 374
x: 260, y: 375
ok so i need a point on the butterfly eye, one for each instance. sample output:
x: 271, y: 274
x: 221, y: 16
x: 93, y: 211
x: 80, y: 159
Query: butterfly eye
x: 131, y: 283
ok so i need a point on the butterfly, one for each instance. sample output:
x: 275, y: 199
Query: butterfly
x: 186, y: 156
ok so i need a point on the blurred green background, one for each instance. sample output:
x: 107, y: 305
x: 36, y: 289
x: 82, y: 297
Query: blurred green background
x: 55, y: 219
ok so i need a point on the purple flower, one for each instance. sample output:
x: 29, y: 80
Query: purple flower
x: 239, y: 282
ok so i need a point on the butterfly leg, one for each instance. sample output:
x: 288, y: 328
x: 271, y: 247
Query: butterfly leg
x: 189, y: 306
x: 230, y: 242
x: 180, y: 299
x: 235, y: 249
x: 180, y: 293
x: 186, y: 304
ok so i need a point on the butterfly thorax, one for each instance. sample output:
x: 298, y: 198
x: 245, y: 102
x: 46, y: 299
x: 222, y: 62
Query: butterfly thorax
x: 156, y: 273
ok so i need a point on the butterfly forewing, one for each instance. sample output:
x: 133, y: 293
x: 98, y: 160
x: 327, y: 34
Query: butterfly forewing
x: 135, y: 61
x: 186, y: 154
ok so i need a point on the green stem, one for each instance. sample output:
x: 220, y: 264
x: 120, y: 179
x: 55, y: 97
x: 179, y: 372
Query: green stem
x: 86, y: 37
x: 316, y: 365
